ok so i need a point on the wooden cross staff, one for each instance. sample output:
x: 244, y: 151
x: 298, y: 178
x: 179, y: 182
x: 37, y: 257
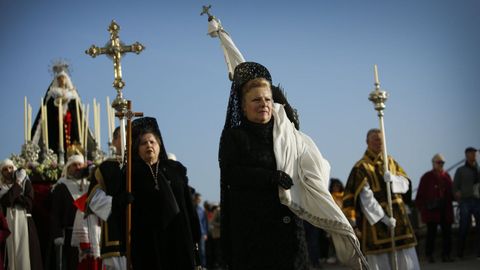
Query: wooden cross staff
x: 115, y: 49
x: 129, y: 115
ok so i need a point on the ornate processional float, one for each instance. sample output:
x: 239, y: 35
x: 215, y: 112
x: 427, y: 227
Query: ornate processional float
x: 60, y: 129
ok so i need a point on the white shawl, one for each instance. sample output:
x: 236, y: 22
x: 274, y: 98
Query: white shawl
x: 76, y: 187
x: 298, y: 156
x: 86, y: 230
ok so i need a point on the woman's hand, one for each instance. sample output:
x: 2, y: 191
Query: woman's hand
x: 282, y: 179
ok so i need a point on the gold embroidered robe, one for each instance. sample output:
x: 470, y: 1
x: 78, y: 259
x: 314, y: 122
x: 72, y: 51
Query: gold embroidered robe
x: 376, y: 238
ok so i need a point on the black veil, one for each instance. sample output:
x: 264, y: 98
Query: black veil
x: 245, y: 72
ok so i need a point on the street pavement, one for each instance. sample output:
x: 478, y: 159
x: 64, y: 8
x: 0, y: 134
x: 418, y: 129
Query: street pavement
x: 467, y: 263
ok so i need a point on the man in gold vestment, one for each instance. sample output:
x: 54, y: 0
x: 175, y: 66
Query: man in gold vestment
x: 365, y: 204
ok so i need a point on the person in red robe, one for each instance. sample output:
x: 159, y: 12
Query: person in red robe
x: 86, y: 237
x: 434, y: 200
x: 4, y: 233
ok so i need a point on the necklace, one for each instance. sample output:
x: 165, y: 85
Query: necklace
x: 154, y: 175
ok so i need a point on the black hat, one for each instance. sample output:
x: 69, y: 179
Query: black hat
x: 470, y: 149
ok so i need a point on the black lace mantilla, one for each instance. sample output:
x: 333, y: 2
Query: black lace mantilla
x: 243, y: 73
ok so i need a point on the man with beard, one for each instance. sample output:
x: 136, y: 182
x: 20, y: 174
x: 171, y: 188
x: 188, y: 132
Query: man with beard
x: 69, y: 187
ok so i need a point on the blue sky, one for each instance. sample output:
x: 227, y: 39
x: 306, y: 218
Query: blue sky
x: 321, y: 52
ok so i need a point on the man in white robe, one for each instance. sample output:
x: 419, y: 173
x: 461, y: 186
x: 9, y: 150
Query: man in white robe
x: 16, y: 197
x: 69, y: 188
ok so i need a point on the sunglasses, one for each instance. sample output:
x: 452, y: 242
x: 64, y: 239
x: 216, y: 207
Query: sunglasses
x: 440, y: 162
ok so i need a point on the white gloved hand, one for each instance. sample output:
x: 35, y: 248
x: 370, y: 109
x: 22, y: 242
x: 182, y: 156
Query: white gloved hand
x: 58, y: 241
x: 388, y: 177
x: 389, y: 221
x: 20, y: 175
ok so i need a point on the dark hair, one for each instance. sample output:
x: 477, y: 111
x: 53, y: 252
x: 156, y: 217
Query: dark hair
x: 373, y: 130
x: 116, y: 133
x: 470, y: 149
x: 335, y: 181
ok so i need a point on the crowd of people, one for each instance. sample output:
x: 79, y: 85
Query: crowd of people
x: 278, y: 208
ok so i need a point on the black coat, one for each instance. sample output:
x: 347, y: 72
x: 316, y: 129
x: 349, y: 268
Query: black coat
x: 164, y: 222
x: 258, y: 232
x: 111, y: 179
x: 62, y: 217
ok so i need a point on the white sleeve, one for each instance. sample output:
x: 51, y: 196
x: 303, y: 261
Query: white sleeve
x: 370, y: 206
x: 79, y: 230
x: 399, y: 184
x: 101, y: 204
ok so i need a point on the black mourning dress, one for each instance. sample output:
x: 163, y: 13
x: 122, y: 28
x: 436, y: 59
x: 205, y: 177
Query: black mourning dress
x: 164, y: 223
x: 258, y: 232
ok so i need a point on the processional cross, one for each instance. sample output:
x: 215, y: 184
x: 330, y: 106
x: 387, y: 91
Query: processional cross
x: 206, y: 10
x: 115, y: 49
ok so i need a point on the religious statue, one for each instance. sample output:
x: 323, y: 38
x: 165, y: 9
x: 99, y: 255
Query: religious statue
x: 63, y: 118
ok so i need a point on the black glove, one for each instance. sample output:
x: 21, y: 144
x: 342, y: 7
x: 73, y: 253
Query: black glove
x: 282, y: 179
x: 121, y: 200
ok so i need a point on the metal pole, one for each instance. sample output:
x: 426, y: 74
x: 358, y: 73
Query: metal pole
x: 123, y: 140
x: 455, y: 165
x: 379, y: 97
x: 129, y: 187
x: 389, y: 193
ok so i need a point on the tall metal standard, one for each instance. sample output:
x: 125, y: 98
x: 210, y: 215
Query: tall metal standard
x: 115, y: 49
x: 379, y: 97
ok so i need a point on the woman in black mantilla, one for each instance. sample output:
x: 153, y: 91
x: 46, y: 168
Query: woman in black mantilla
x: 272, y: 177
x: 258, y: 232
x: 164, y: 222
